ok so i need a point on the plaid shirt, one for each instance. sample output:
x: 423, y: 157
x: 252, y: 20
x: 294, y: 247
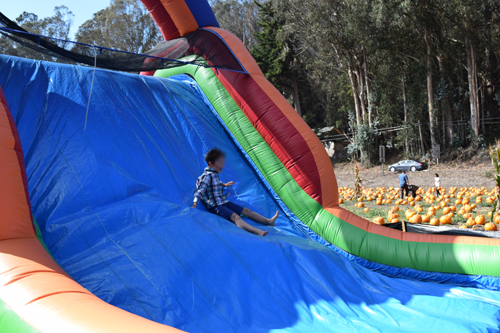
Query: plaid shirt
x: 209, y: 189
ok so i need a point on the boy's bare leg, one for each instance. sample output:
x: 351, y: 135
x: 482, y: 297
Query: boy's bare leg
x: 259, y: 218
x: 245, y: 226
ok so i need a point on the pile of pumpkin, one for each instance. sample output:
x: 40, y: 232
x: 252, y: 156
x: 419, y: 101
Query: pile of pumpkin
x: 452, y: 202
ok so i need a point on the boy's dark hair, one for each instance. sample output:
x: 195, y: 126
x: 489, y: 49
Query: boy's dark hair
x: 213, y: 155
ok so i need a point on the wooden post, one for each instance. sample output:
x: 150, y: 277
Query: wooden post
x: 403, y: 224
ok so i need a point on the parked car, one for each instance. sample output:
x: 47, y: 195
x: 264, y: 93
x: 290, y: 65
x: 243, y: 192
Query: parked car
x: 407, y: 165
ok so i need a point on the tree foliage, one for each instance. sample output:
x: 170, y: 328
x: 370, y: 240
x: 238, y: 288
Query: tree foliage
x: 409, y: 74
x: 125, y: 25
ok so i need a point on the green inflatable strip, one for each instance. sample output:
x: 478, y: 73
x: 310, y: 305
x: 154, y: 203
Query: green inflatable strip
x: 437, y: 257
x: 40, y: 237
x: 10, y: 322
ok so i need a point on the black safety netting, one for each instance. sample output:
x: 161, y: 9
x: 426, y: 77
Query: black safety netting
x: 210, y: 51
x: 441, y: 230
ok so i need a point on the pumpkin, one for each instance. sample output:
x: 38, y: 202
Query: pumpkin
x: 341, y: 201
x: 379, y: 220
x: 496, y: 219
x: 416, y: 219
x: 434, y: 221
x: 490, y: 227
x: 445, y: 219
x: 426, y: 218
x: 366, y: 210
x: 470, y: 222
x: 480, y: 219
x: 446, y: 210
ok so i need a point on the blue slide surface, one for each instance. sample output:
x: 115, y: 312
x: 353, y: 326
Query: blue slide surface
x: 113, y: 203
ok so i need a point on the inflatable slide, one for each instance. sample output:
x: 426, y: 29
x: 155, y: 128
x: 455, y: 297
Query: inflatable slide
x: 97, y: 233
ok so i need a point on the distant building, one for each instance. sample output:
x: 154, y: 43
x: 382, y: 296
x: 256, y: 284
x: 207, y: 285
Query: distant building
x: 334, y: 141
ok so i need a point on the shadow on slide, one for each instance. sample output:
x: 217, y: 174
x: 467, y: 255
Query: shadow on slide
x: 112, y: 202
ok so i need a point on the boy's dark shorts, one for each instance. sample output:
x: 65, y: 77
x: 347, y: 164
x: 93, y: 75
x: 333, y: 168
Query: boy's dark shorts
x: 226, y: 210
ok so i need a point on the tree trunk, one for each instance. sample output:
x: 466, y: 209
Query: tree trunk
x: 483, y: 128
x: 473, y: 88
x: 449, y: 121
x: 354, y: 88
x: 405, y: 109
x: 446, y: 106
x: 367, y: 84
x: 491, y: 63
x: 296, y: 97
x: 443, y: 121
x: 361, y: 92
x: 430, y: 89
x: 357, y: 106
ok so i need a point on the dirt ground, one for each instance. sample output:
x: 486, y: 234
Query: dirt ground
x: 456, y: 174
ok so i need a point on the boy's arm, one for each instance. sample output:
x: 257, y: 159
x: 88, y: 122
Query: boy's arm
x: 201, y: 189
x: 227, y: 184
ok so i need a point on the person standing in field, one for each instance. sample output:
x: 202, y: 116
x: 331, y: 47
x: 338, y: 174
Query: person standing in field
x: 403, y: 184
x: 437, y: 183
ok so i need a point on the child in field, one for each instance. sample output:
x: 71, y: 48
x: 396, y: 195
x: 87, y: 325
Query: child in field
x: 209, y: 188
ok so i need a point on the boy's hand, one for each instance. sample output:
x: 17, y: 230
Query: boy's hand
x: 228, y: 184
x: 195, y: 204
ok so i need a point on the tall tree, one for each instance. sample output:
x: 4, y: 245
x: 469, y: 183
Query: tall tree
x: 57, y: 26
x: 124, y: 25
x: 276, y: 53
x: 239, y: 17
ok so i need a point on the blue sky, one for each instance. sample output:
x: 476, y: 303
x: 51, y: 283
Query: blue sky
x: 83, y: 9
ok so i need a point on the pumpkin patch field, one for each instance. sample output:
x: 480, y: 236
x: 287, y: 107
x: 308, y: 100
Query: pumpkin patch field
x: 459, y: 207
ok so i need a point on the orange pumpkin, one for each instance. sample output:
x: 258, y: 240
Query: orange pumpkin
x: 446, y: 210
x: 434, y: 221
x: 416, y: 219
x: 490, y: 227
x: 470, y: 222
x: 480, y: 219
x: 445, y: 219
x: 496, y: 219
x: 366, y: 210
x: 379, y: 220
x: 426, y: 218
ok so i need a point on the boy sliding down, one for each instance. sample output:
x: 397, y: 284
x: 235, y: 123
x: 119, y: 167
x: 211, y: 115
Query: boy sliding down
x: 209, y: 188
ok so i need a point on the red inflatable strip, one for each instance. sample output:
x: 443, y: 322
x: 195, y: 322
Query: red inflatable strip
x: 162, y: 19
x: 327, y: 185
x: 276, y: 129
x: 15, y: 207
